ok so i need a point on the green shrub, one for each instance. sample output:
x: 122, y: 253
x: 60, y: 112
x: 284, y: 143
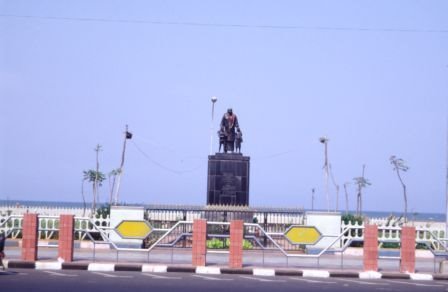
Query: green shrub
x: 391, y: 245
x: 247, y: 244
x: 352, y: 218
x: 215, y: 243
x: 219, y: 243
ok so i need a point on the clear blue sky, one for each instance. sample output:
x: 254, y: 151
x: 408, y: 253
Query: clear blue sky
x: 370, y: 75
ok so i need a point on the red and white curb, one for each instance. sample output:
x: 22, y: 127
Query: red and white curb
x: 262, y: 272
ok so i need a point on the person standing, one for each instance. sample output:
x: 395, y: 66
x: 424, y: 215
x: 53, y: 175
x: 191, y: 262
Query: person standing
x: 2, y: 248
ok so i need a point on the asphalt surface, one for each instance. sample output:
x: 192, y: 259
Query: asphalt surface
x: 72, y: 280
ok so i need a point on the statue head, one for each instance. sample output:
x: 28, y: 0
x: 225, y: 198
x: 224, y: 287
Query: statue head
x: 229, y: 111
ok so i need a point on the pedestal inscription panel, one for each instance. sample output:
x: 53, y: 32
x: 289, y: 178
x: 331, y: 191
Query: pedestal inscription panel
x: 228, y: 179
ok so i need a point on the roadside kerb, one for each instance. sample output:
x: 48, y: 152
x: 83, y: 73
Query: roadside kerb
x: 262, y: 272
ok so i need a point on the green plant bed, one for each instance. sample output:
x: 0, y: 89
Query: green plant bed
x: 220, y: 243
x: 216, y: 243
x: 392, y: 245
x: 352, y: 219
x: 357, y: 244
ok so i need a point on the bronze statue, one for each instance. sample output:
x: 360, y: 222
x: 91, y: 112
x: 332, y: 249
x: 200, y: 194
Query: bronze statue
x: 229, y: 123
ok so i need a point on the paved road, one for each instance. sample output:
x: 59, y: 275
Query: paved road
x: 71, y: 281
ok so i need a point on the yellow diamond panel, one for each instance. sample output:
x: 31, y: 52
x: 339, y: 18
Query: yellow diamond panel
x: 303, y: 234
x: 133, y: 229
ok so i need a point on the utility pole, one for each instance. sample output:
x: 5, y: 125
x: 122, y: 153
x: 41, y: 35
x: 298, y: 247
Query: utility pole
x: 127, y: 135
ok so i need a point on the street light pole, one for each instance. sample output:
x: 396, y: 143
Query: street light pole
x: 446, y: 181
x: 213, y: 99
x: 324, y: 140
x: 312, y: 199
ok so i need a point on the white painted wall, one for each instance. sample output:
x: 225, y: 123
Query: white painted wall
x: 120, y: 213
x: 327, y: 224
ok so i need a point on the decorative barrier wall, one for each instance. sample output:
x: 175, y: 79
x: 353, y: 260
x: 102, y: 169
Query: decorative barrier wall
x: 273, y: 220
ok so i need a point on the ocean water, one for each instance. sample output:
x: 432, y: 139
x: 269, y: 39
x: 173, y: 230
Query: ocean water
x: 435, y: 217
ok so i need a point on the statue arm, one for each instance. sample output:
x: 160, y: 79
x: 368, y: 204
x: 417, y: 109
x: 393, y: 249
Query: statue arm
x: 237, y: 125
x: 223, y: 122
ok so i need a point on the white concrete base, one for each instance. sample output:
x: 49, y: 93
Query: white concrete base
x: 96, y: 267
x: 354, y: 251
x: 48, y: 266
x: 208, y: 270
x: 264, y: 272
x: 315, y: 274
x: 154, y: 269
x: 370, y: 275
x: 443, y: 268
x: 421, y: 277
x: 52, y: 243
x: 426, y: 254
x: 90, y: 245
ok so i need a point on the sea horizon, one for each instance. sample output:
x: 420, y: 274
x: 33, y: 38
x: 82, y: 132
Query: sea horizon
x: 414, y: 216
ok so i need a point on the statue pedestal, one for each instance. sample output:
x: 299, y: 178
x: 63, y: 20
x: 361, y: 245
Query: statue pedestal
x: 228, y: 179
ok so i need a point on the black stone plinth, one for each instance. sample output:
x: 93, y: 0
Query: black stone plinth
x: 228, y: 179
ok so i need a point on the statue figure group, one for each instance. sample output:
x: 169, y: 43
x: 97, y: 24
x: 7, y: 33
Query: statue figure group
x: 230, y: 135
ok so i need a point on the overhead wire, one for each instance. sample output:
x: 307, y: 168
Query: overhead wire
x: 175, y: 171
x: 275, y: 154
x: 166, y: 148
x: 226, y: 25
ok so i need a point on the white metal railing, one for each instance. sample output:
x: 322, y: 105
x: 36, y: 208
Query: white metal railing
x: 43, y: 210
x: 48, y: 226
x: 11, y: 225
x: 434, y: 235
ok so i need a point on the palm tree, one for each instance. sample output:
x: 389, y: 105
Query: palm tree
x: 361, y: 182
x: 399, y: 165
x: 346, y: 197
x: 95, y: 177
x: 83, y: 198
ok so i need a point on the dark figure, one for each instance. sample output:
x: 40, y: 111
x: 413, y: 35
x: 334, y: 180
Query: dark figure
x: 2, y: 248
x: 238, y: 140
x: 229, y: 123
x: 222, y: 139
